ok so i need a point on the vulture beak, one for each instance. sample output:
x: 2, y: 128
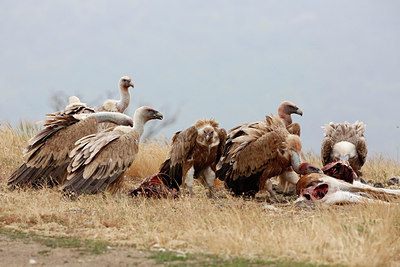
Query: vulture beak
x: 299, y: 112
x: 158, y: 115
x: 131, y: 84
x: 209, y: 136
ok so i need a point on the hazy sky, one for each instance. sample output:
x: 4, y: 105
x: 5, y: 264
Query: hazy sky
x: 232, y: 60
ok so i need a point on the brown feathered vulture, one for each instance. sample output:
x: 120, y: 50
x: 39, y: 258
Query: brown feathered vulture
x: 50, y: 148
x: 112, y: 105
x: 285, y: 111
x: 345, y: 141
x: 258, y: 151
x: 194, y: 153
x: 100, y: 160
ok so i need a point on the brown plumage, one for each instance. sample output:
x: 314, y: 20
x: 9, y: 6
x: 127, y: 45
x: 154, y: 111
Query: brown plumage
x: 345, y: 141
x: 100, y: 160
x: 255, y: 152
x: 47, y: 164
x: 194, y: 153
x: 75, y: 106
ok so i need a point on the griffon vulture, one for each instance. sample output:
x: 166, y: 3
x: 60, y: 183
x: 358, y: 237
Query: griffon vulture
x: 345, y: 141
x: 195, y: 153
x: 321, y: 188
x: 100, y: 160
x: 118, y: 105
x: 285, y: 111
x: 258, y: 152
x: 47, y: 164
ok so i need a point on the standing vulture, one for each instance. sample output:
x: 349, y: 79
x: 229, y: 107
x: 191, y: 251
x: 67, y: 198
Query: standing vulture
x: 118, y: 105
x: 285, y: 111
x: 100, y: 160
x: 258, y: 152
x: 47, y: 164
x: 195, y: 152
x: 345, y: 141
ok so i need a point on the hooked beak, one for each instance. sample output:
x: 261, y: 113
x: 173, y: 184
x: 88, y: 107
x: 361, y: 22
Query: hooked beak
x: 131, y: 84
x: 158, y: 115
x: 299, y: 112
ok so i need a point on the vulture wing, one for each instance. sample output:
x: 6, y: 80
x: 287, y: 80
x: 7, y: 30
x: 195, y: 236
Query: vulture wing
x: 180, y: 153
x: 49, y: 160
x: 100, y: 160
x: 222, y: 141
x: 294, y: 128
x: 251, y: 151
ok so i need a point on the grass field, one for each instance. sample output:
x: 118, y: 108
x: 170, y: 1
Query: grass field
x: 227, y: 227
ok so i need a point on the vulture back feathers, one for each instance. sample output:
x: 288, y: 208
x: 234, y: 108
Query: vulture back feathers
x: 345, y: 141
x: 47, y: 164
x: 257, y: 151
x: 100, y: 160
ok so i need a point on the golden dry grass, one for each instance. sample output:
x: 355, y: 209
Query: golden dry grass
x: 366, y: 235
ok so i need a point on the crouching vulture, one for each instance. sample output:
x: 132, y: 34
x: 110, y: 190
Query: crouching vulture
x: 100, y: 160
x: 258, y: 151
x: 345, y: 141
x: 50, y: 148
x: 194, y: 153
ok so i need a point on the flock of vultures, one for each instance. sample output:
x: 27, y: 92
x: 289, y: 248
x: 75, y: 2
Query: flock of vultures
x: 84, y: 150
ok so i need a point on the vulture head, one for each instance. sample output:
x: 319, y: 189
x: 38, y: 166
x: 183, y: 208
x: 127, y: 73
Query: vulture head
x: 294, y: 145
x: 286, y: 109
x: 206, y: 132
x: 125, y: 82
x: 147, y: 113
x: 344, y: 151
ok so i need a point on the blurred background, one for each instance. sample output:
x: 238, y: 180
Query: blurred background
x: 235, y: 61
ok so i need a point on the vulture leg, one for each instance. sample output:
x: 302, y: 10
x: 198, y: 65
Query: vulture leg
x: 209, y: 177
x: 268, y: 186
x: 189, y: 180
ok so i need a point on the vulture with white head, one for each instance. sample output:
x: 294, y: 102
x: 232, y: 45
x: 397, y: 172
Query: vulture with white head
x: 100, y: 160
x: 258, y: 151
x: 50, y: 148
x: 112, y: 105
x: 316, y: 187
x: 195, y: 153
x: 345, y: 141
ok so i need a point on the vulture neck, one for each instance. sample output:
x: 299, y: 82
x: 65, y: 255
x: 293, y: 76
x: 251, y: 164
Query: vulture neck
x: 123, y: 103
x: 108, y: 117
x: 295, y: 161
x: 287, y: 118
x: 139, y: 122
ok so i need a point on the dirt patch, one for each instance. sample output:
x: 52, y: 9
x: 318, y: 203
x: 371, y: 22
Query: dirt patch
x: 23, y: 252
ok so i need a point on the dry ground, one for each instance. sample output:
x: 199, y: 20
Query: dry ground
x: 366, y: 235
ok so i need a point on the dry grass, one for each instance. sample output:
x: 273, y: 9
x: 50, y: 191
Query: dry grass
x: 350, y: 235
